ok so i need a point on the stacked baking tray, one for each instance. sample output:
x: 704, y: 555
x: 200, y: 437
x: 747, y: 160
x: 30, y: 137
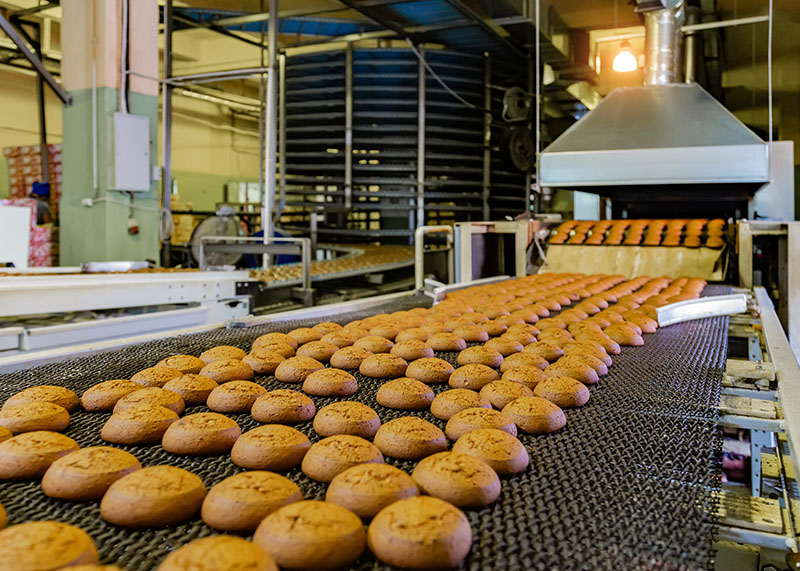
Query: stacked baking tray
x: 378, y: 198
x: 628, y: 484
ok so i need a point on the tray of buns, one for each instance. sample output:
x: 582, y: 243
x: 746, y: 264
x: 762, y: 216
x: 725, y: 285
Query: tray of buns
x: 622, y: 475
x: 692, y: 233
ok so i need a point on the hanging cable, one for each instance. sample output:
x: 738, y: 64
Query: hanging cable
x: 437, y: 78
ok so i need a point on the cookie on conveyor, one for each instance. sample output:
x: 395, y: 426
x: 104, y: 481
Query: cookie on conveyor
x: 193, y: 389
x: 303, y: 335
x: 473, y: 377
x: 520, y: 337
x: 156, y: 496
x: 152, y: 396
x: 446, y: 341
x: 420, y: 533
x: 220, y: 552
x: 500, y: 393
x: 528, y: 376
x: 326, y: 327
x: 449, y: 402
x: 140, y: 424
x: 45, y: 545
x: 103, y: 396
x: 587, y: 347
x: 405, y: 394
x: 30, y: 416
x: 412, y: 349
x: 474, y: 418
x: 312, y: 535
x: 410, y: 438
x: 240, y: 502
x: 624, y: 334
x: 545, y: 350
x: 3, y: 517
x: 201, y: 434
x: 271, y: 447
x: 283, y: 406
x: 5, y: 434
x: 186, y: 364
x: 576, y: 370
x: 430, y: 370
x: 472, y: 333
x: 273, y: 338
x: 296, y: 369
x: 415, y: 333
x: 235, y: 396
x: 156, y: 376
x: 347, y: 417
x: 333, y: 455
x: 524, y: 360
x: 284, y: 349
x: 226, y: 370
x: 341, y: 338
x: 330, y: 383
x: 563, y: 391
x: 28, y: 456
x: 504, y: 345
x: 503, y: 452
x: 480, y: 356
x: 87, y: 473
x: 45, y: 393
x: 535, y: 415
x: 584, y: 358
x: 383, y: 366
x: 263, y: 362
x: 221, y: 353
x: 460, y: 479
x: 319, y: 350
x: 368, y: 488
x: 349, y: 358
x: 374, y: 344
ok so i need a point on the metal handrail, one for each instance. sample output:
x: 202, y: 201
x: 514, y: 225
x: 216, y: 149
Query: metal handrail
x: 419, y: 253
x: 262, y: 244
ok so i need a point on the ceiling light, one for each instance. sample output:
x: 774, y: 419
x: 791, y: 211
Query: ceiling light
x: 625, y: 61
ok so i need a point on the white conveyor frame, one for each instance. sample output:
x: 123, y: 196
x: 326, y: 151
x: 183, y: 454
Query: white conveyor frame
x: 30, y: 295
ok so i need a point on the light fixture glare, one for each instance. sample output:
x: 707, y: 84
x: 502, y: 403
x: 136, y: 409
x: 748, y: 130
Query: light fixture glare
x: 625, y: 61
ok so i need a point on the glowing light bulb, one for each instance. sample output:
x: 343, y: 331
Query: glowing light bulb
x: 625, y: 61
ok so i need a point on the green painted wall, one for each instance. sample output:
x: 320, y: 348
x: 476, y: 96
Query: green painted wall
x: 99, y: 232
x: 203, y: 191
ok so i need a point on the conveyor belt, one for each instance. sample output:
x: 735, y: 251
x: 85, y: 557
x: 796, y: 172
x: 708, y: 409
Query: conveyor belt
x: 626, y: 485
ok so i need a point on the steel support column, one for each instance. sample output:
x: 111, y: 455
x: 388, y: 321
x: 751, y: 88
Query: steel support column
x: 166, y: 131
x: 281, y: 135
x: 348, y: 128
x: 487, y: 133
x: 421, y: 139
x: 270, y: 130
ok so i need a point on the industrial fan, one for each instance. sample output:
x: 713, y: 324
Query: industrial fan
x: 223, y: 223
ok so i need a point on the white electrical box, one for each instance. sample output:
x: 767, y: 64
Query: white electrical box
x: 131, y: 168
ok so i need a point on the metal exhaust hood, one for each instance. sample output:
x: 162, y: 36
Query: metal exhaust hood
x: 656, y: 135
x: 662, y: 133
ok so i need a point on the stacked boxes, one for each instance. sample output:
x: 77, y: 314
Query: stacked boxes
x: 25, y: 168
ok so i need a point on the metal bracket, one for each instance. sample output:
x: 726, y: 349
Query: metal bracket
x: 12, y: 33
x: 700, y: 308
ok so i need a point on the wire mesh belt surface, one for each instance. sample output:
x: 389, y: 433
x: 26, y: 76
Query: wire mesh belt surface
x: 626, y: 485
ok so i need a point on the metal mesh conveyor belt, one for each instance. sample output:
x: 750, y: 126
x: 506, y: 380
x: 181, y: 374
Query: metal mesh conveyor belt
x: 626, y: 485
